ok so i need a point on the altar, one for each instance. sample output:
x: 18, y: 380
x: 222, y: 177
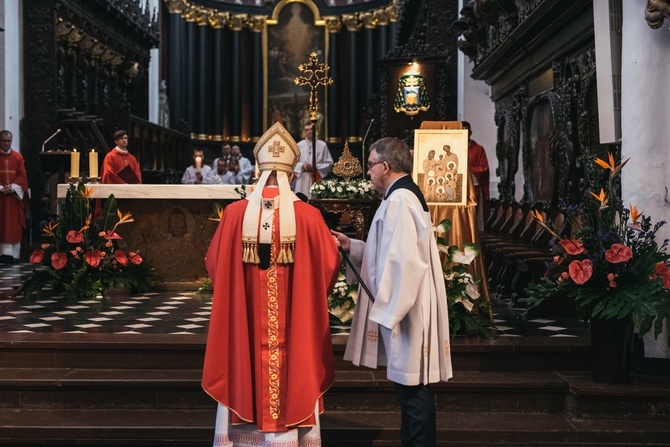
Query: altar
x: 173, y: 226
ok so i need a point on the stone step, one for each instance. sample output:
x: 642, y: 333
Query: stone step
x: 140, y: 428
x: 62, y: 388
x: 163, y: 351
x: 525, y: 392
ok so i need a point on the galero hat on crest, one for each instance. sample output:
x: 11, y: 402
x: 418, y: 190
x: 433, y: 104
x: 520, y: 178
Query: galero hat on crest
x: 275, y: 151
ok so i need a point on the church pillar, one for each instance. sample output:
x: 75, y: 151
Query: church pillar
x: 200, y: 127
x: 218, y: 82
x: 644, y: 131
x: 333, y: 131
x: 257, y: 111
x: 353, y: 25
x: 369, y: 60
x: 235, y: 131
x: 191, y: 70
x: 175, y: 80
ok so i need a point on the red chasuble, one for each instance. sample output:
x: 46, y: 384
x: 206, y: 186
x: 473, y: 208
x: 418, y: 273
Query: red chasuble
x: 479, y: 165
x: 115, y: 164
x: 12, y: 170
x: 269, y: 357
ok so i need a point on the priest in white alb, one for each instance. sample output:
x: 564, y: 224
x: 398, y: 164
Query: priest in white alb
x: 404, y: 324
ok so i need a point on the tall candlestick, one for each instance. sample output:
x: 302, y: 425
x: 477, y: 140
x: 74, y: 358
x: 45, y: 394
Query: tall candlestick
x: 93, y: 164
x: 198, y: 164
x: 74, y: 163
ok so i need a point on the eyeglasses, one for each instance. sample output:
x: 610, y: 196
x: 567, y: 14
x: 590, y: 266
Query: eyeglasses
x: 372, y: 164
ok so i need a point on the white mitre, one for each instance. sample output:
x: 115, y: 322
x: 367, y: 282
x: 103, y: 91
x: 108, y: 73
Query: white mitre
x: 275, y: 151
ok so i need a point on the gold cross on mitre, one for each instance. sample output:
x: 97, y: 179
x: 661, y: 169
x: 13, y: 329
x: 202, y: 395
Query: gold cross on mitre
x: 276, y: 148
x: 318, y: 75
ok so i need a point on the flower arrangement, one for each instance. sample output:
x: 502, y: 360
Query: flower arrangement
x: 342, y: 299
x: 468, y: 314
x: 344, y: 189
x: 82, y: 257
x: 611, y: 265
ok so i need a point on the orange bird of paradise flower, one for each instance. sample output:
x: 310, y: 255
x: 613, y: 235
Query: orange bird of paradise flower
x: 86, y: 192
x: 49, y: 228
x: 602, y: 198
x: 634, y: 214
x: 614, y: 169
x: 540, y: 220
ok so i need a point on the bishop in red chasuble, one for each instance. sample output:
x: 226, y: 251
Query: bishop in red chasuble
x: 272, y: 262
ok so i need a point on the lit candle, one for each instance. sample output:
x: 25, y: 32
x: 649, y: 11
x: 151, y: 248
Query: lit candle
x: 198, y: 164
x: 93, y: 164
x: 74, y: 163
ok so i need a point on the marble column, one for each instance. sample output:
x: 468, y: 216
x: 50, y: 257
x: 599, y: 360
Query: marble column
x: 645, y: 134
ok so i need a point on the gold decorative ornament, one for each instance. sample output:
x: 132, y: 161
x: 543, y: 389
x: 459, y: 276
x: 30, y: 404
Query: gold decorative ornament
x: 347, y: 165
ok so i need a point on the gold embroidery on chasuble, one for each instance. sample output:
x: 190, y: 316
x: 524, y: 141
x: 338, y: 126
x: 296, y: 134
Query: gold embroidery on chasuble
x: 425, y: 351
x: 447, y: 347
x: 273, y: 333
x: 372, y: 336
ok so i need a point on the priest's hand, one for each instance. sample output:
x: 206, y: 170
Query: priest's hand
x: 342, y: 240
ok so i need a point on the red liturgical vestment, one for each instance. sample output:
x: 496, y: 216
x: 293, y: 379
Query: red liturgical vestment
x: 12, y: 220
x: 119, y: 168
x: 269, y: 357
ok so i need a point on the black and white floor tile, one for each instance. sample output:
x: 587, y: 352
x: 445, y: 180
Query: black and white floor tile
x: 182, y: 312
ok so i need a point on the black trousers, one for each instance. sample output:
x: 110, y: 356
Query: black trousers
x: 417, y: 407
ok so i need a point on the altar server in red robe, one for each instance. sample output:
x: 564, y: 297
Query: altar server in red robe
x: 272, y: 262
x: 13, y: 191
x: 120, y: 166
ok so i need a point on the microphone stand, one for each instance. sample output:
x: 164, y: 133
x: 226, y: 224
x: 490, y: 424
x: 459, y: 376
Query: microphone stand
x: 358, y: 275
x: 363, y: 146
x: 49, y: 139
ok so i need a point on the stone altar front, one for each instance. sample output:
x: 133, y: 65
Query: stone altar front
x: 173, y: 226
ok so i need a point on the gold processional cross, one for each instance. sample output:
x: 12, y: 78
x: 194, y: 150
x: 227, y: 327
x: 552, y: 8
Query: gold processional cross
x: 318, y: 75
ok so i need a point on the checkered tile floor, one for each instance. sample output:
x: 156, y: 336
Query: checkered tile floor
x: 180, y: 313
x: 150, y: 313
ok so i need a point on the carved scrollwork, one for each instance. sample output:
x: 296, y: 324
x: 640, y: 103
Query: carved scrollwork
x: 656, y: 12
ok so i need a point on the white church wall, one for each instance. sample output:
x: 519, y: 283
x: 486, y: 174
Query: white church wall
x: 476, y: 107
x: 645, y: 133
x: 11, y: 69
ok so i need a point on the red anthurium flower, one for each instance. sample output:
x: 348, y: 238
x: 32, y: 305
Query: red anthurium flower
x: 121, y: 257
x: 580, y: 271
x: 618, y: 253
x: 92, y: 258
x: 109, y: 235
x: 662, y: 270
x: 58, y: 260
x: 135, y: 258
x: 37, y: 256
x: 571, y: 246
x: 74, y: 237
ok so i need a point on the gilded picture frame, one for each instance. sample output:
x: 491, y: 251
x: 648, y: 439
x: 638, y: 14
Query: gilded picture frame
x: 441, y: 165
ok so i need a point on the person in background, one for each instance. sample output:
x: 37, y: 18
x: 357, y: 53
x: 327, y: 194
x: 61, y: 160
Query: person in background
x: 272, y: 262
x: 13, y: 192
x: 245, y: 166
x: 119, y: 165
x: 198, y: 172
x: 226, y: 154
x: 404, y: 324
x: 304, y: 169
x: 479, y: 166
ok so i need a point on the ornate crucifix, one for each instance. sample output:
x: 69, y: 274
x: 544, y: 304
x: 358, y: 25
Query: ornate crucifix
x: 318, y: 75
